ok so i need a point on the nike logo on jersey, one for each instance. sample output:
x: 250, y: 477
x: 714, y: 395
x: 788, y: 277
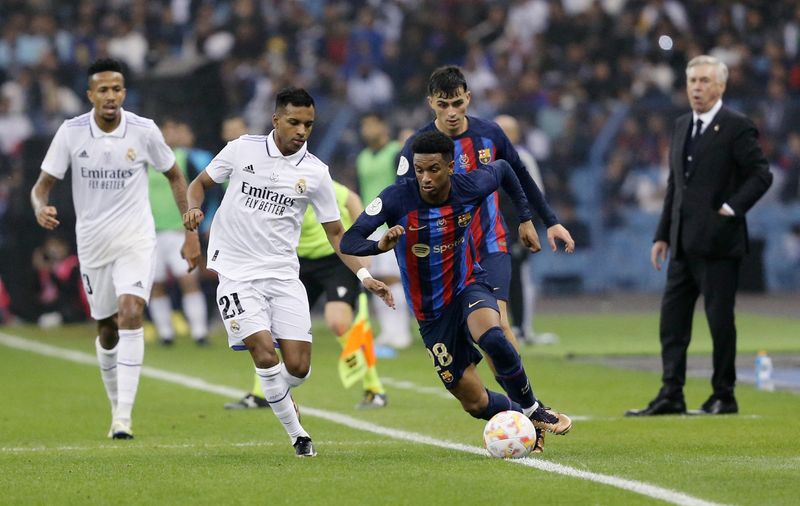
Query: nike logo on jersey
x: 471, y: 304
x: 414, y: 229
x: 249, y: 168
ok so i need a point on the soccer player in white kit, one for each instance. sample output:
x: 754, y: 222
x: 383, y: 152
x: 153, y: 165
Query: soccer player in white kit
x: 254, y: 235
x: 109, y: 150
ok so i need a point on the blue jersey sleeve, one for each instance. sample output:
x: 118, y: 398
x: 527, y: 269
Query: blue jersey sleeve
x: 488, y: 178
x: 507, y: 152
x: 355, y: 240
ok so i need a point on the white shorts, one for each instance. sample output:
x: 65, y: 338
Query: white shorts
x: 168, y: 255
x: 279, y: 306
x: 385, y: 264
x: 130, y: 274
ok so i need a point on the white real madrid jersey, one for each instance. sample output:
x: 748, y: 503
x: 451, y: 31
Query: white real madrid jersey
x: 109, y: 182
x: 256, y: 229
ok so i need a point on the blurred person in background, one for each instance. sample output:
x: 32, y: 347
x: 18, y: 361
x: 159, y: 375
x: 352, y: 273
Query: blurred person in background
x: 169, y: 235
x: 375, y: 167
x: 61, y: 294
x: 522, y: 291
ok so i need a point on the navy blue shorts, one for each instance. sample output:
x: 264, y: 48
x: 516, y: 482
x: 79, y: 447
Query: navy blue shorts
x: 447, y: 337
x: 498, y: 273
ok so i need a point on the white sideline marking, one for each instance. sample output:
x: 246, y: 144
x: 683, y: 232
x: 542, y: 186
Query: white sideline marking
x: 409, y: 385
x: 638, y: 487
x: 127, y: 446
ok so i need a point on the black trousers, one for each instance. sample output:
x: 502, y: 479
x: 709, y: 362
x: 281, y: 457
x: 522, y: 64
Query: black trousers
x: 687, y: 278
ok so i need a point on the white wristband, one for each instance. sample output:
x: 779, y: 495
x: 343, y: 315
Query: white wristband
x: 363, y: 274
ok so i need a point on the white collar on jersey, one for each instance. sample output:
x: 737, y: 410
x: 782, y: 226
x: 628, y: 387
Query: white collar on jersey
x: 274, y: 152
x: 120, y: 131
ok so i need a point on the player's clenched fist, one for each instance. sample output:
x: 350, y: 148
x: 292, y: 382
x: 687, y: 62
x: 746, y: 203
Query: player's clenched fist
x: 529, y: 237
x: 193, y: 218
x: 390, y: 238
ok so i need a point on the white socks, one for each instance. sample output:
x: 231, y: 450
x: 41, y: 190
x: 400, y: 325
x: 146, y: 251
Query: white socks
x: 292, y: 381
x: 194, y: 307
x: 276, y: 391
x: 108, y: 371
x: 161, y: 313
x: 395, y: 323
x: 130, y: 353
x: 529, y: 411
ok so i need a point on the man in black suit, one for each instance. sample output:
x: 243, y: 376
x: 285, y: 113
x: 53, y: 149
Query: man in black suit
x: 717, y: 173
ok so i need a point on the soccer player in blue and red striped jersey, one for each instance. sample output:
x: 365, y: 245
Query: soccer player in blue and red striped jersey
x: 429, y: 219
x: 479, y: 142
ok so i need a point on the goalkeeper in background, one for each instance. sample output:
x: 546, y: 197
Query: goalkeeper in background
x: 321, y: 271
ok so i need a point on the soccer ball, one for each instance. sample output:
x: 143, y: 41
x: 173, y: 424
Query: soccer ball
x: 509, y: 435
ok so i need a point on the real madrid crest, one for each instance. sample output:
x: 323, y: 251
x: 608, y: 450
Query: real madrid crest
x: 235, y: 326
x: 131, y: 154
x: 300, y: 186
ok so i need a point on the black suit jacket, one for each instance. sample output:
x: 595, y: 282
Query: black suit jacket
x: 727, y: 166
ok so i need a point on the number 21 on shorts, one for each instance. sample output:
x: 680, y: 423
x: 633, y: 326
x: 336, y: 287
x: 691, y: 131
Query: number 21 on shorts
x: 225, y: 303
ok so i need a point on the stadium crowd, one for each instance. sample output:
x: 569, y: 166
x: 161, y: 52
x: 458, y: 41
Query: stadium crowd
x: 595, y: 84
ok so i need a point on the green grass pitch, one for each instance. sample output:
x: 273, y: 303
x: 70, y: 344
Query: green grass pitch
x: 188, y: 450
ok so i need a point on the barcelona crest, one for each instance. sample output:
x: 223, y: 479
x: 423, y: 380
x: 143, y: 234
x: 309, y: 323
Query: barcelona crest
x: 463, y: 219
x: 485, y: 155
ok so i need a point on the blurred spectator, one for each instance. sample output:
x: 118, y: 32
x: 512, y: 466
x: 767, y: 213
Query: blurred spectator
x: 14, y: 128
x: 563, y: 68
x: 369, y: 88
x: 790, y: 165
x: 790, y: 249
x: 60, y: 294
x: 126, y: 43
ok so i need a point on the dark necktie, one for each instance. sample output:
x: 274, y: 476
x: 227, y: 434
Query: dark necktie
x: 698, y: 129
x: 687, y: 167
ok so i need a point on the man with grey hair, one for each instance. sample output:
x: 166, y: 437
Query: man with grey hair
x: 717, y: 173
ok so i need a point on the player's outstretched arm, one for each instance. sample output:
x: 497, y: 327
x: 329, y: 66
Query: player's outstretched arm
x: 195, y: 195
x: 40, y: 196
x: 334, y: 230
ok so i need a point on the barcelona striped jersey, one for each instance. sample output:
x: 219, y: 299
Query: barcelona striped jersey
x: 437, y: 253
x: 482, y: 143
